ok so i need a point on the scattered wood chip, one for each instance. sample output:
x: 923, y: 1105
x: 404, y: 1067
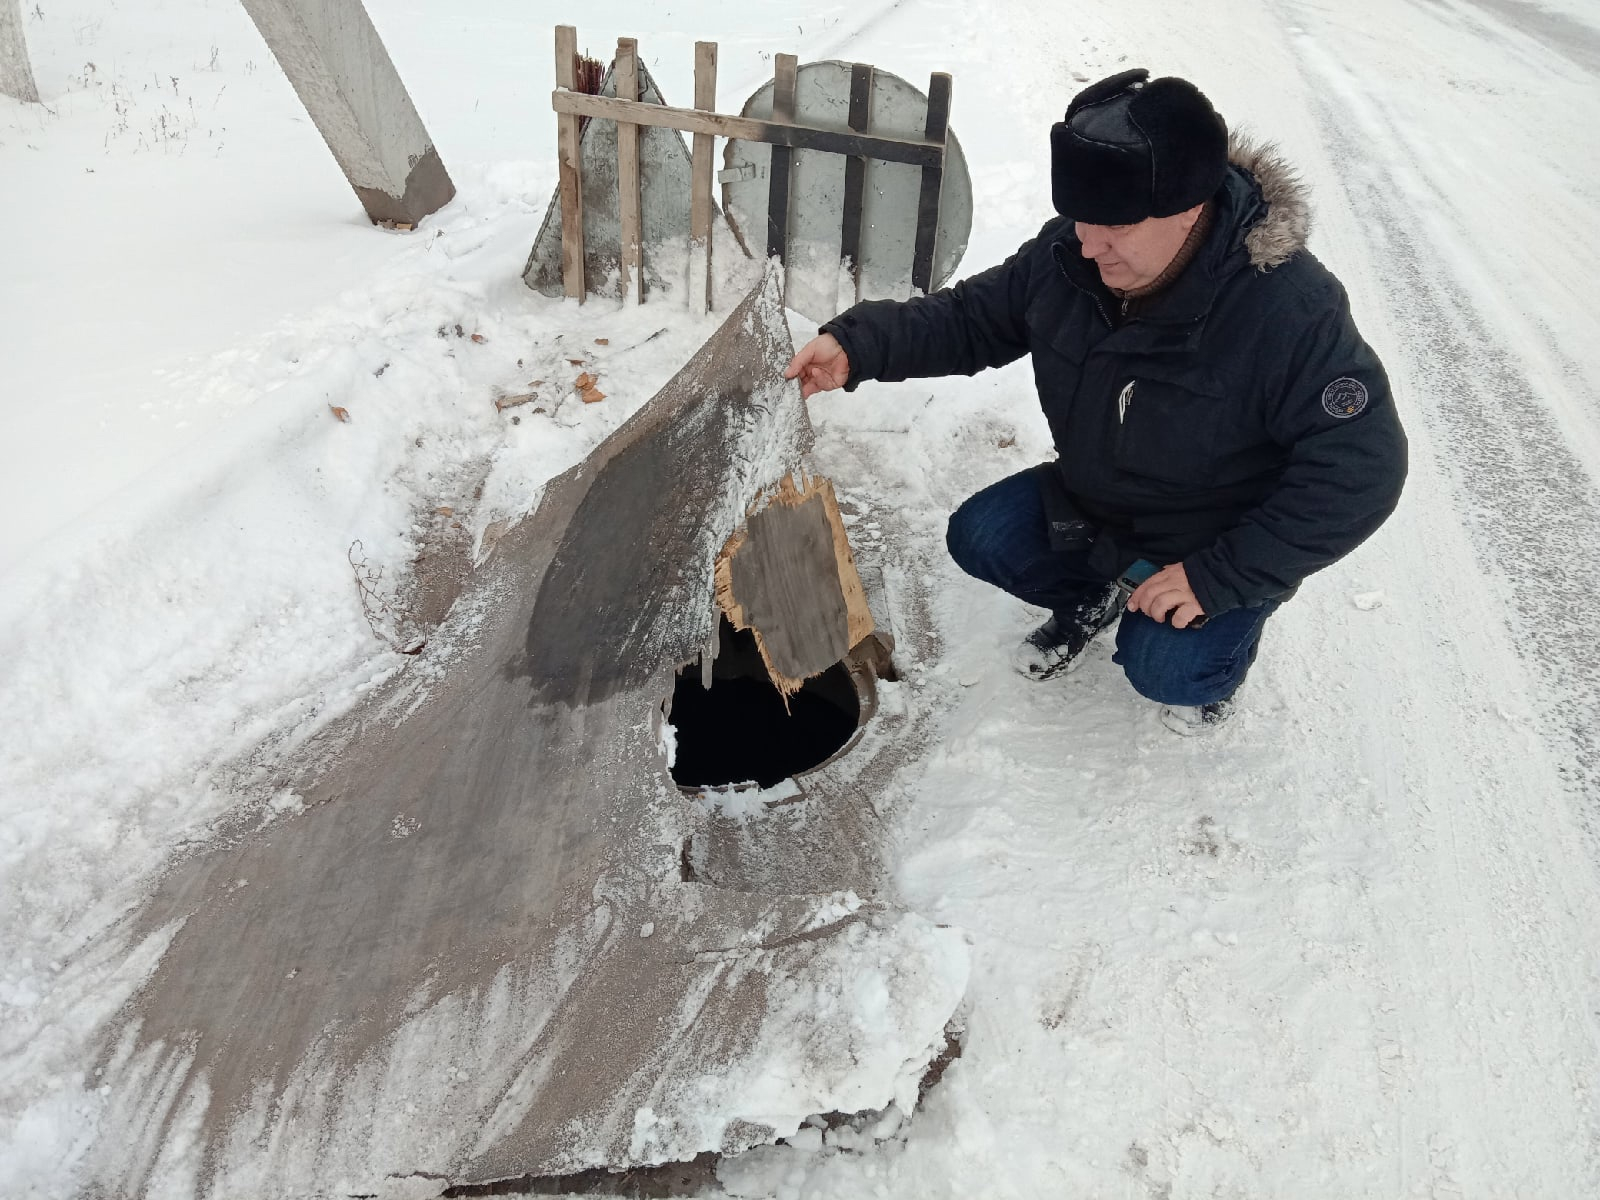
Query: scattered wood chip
x: 602, y: 341
x: 444, y: 510
x: 1006, y: 443
x: 587, y: 391
x: 479, y: 338
x: 577, y: 362
x: 342, y: 413
x: 505, y: 402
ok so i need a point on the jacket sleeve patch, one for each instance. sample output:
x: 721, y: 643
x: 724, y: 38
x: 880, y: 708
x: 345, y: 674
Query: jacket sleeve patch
x: 1344, y: 397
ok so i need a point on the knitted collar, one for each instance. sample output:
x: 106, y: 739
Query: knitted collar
x: 1180, y: 261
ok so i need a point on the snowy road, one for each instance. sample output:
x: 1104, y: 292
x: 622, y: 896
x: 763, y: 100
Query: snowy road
x: 1511, y: 402
x: 1343, y: 950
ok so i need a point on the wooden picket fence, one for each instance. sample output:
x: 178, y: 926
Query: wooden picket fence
x: 781, y: 132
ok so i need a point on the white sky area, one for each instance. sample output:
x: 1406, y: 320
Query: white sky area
x: 1345, y: 948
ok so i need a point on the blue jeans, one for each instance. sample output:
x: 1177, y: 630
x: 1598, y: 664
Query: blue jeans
x: 1000, y: 536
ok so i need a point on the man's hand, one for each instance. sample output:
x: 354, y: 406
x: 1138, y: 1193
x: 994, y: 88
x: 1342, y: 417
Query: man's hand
x: 1167, y: 594
x: 821, y: 366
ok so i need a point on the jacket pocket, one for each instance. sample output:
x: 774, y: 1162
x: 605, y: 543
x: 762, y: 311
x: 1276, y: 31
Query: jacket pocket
x: 1062, y: 330
x: 1060, y: 335
x: 1168, y: 430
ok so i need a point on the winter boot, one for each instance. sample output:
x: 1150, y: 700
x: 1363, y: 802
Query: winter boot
x: 1057, y: 646
x: 1193, y: 720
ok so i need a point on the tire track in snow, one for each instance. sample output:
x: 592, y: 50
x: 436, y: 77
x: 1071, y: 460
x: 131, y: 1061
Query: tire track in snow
x: 1488, y: 882
x: 1559, y: 32
x: 1531, y: 503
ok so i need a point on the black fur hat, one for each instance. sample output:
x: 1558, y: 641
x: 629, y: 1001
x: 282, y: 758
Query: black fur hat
x: 1133, y: 147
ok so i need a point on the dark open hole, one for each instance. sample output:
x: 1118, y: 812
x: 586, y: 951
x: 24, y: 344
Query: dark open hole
x: 737, y: 730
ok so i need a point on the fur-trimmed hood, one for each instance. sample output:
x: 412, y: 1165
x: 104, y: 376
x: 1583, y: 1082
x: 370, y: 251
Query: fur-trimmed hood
x: 1282, y: 231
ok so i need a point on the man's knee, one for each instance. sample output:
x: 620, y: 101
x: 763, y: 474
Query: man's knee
x: 1169, y: 665
x: 958, y: 537
x: 1148, y: 660
x: 998, y: 528
x: 968, y: 538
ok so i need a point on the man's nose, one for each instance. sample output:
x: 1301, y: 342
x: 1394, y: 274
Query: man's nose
x: 1092, y: 237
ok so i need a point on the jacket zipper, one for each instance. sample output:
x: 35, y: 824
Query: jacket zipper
x: 1055, y: 253
x: 1124, y: 399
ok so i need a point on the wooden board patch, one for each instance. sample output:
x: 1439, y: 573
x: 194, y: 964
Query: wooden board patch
x: 790, y: 577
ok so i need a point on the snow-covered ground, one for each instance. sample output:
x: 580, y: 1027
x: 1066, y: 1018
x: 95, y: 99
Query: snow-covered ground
x: 1343, y: 949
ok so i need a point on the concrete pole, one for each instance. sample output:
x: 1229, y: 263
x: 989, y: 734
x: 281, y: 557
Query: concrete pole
x: 16, y: 75
x: 345, y: 78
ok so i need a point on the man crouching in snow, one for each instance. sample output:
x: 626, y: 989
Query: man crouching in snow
x: 1215, y: 412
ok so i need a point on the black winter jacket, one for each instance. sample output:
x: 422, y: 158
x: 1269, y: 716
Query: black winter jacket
x: 1259, y: 442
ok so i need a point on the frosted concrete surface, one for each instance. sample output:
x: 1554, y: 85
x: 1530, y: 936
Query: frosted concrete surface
x: 333, y: 56
x: 16, y: 74
x: 495, y: 939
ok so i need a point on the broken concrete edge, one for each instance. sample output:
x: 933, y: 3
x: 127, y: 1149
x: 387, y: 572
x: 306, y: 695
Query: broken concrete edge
x: 333, y: 57
x: 691, y: 1178
x: 814, y: 1053
x: 857, y: 1132
x: 858, y: 614
x: 428, y: 188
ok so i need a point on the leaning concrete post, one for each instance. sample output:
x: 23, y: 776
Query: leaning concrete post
x: 16, y: 74
x: 343, y: 75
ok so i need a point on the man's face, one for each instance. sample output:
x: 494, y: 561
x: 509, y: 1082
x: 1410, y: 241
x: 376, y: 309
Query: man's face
x: 1131, y: 256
